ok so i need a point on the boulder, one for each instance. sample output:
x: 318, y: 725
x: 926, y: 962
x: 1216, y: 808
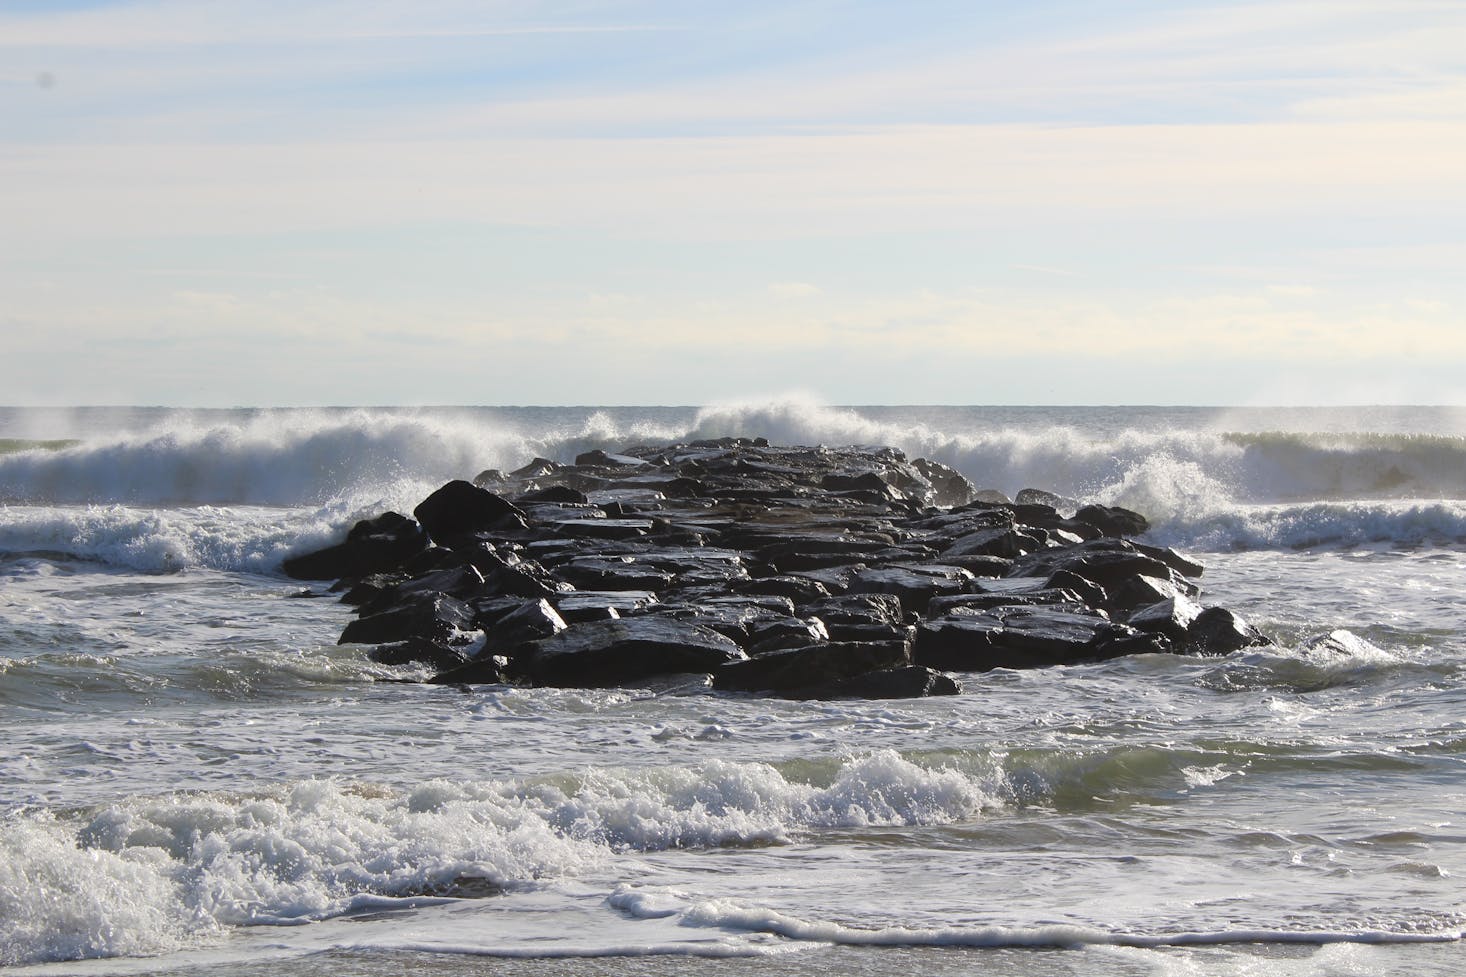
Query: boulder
x: 1217, y: 631
x: 608, y: 653
x: 460, y: 508
x: 1113, y: 520
x: 371, y: 546
x: 435, y: 617
x: 1026, y: 637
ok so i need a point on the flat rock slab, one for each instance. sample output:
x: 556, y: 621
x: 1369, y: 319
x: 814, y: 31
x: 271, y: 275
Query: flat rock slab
x: 1026, y: 637
x: 608, y: 653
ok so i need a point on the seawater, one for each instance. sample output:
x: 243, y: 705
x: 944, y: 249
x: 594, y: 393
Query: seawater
x: 198, y: 779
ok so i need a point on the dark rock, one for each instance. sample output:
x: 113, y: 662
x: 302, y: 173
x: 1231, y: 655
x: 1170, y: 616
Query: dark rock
x: 1033, y: 496
x: 419, y: 651
x: 531, y: 621
x: 814, y: 665
x: 1026, y: 637
x: 602, y: 653
x: 1171, y: 617
x: 602, y: 528
x: 436, y: 617
x: 556, y: 494
x: 915, y: 586
x: 486, y: 670
x: 589, y: 605
x: 460, y: 508
x: 784, y: 633
x: 604, y: 459
x: 371, y: 546
x: 461, y: 582
x: 908, y: 682
x: 798, y: 589
x: 1217, y: 631
x: 1113, y: 520
x: 1006, y: 543
x: 859, y: 609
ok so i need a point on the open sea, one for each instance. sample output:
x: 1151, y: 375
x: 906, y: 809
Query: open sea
x: 196, y: 779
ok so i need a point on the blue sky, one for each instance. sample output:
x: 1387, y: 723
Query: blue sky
x: 321, y: 202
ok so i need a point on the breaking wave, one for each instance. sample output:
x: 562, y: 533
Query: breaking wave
x: 1203, y: 488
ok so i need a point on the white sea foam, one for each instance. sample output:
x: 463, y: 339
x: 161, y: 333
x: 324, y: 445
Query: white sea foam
x: 1200, y: 488
x: 736, y: 915
x: 152, y: 875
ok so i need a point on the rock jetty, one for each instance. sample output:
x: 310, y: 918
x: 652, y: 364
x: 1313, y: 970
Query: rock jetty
x: 802, y: 572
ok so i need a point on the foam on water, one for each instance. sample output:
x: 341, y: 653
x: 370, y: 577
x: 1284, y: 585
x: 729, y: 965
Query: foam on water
x: 152, y: 875
x: 732, y: 914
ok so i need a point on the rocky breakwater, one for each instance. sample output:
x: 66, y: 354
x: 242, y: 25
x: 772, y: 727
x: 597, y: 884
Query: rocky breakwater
x: 804, y: 572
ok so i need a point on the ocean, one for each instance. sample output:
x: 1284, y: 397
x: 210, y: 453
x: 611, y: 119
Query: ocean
x: 197, y: 779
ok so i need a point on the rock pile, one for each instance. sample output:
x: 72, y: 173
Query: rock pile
x: 793, y: 571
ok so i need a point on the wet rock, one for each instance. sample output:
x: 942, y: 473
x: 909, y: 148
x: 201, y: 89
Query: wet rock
x: 798, y: 589
x: 784, y: 633
x: 907, y: 682
x: 1171, y: 617
x: 531, y: 621
x: 460, y: 508
x: 1026, y: 637
x: 485, y: 670
x: 462, y: 582
x: 914, y: 586
x: 811, y: 666
x: 435, y: 617
x: 1113, y: 520
x: 420, y: 651
x: 371, y: 546
x: 608, y: 653
x: 586, y: 605
x: 1218, y: 631
x: 655, y: 560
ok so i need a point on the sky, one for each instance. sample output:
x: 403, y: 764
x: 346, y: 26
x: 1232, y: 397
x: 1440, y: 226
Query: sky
x: 252, y: 202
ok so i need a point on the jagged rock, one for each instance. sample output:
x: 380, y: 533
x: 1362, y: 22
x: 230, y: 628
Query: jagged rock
x: 1043, y: 497
x: 419, y: 651
x: 602, y: 653
x: 531, y: 621
x: 462, y: 582
x: 798, y: 589
x: 460, y: 508
x: 604, y: 459
x: 371, y: 546
x: 949, y: 487
x: 1171, y: 617
x: 784, y: 633
x: 689, y: 555
x: 436, y: 617
x: 1107, y: 562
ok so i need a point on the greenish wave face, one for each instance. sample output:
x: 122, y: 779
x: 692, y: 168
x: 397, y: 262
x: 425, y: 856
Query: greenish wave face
x: 10, y: 446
